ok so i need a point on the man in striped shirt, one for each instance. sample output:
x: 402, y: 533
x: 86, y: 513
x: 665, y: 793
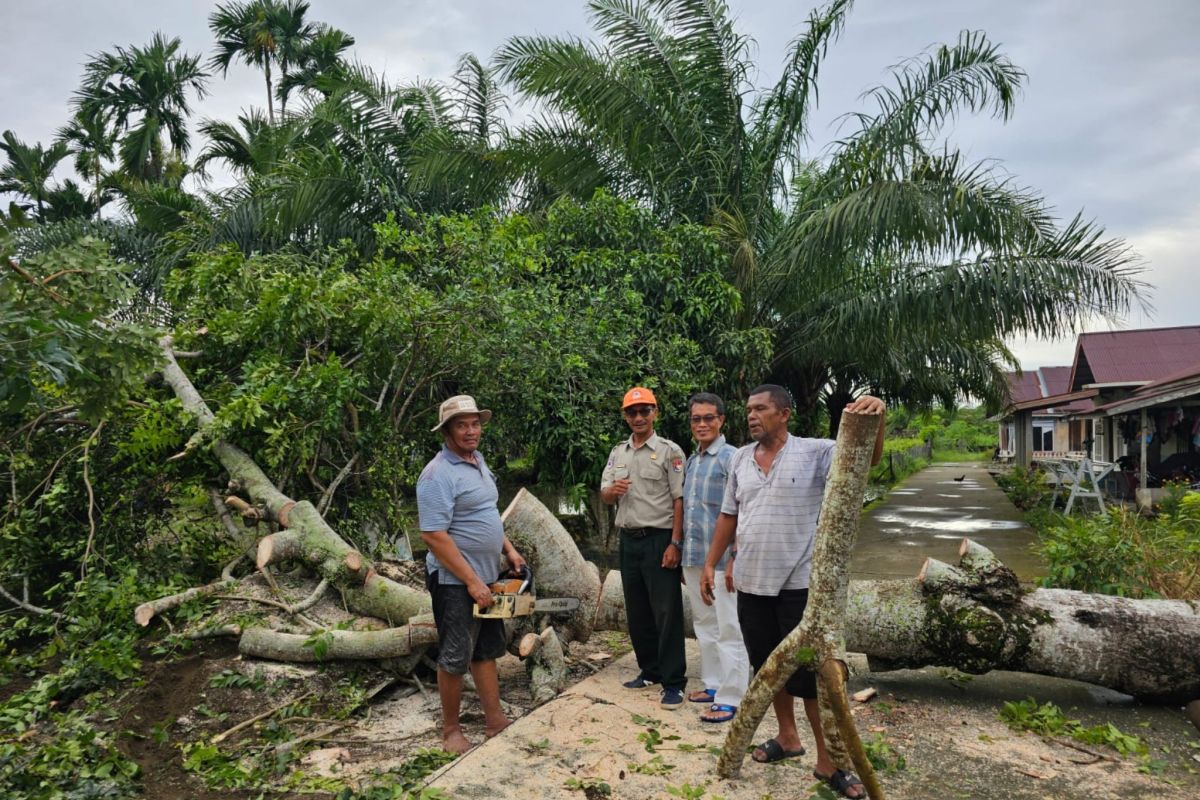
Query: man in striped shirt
x: 772, y: 500
x: 723, y: 665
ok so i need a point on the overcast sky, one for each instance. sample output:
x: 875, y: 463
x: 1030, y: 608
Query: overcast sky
x: 1109, y: 122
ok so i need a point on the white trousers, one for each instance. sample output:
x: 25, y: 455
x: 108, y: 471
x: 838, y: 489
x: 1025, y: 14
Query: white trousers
x: 724, y: 665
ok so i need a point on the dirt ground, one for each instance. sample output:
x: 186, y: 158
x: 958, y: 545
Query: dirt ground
x: 947, y: 731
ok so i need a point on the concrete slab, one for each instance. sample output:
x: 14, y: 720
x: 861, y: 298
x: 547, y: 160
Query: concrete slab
x: 929, y: 513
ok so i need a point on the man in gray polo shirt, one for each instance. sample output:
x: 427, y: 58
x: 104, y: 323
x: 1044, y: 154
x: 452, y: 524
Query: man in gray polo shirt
x: 460, y: 524
x: 772, y: 500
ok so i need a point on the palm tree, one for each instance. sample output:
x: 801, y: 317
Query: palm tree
x: 887, y: 255
x: 260, y: 33
x: 319, y: 64
x: 255, y: 149
x: 91, y: 142
x: 144, y: 92
x: 29, y: 169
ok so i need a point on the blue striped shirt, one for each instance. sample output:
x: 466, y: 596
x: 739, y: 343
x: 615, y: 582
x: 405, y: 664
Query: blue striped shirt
x: 703, y: 488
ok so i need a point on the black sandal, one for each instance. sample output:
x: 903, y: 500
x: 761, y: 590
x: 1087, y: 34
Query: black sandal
x: 840, y: 781
x: 773, y: 751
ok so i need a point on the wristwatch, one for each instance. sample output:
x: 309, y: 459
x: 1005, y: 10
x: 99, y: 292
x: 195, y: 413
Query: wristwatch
x: 678, y: 543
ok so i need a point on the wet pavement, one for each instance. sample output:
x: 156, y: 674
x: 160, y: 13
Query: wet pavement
x: 930, y: 512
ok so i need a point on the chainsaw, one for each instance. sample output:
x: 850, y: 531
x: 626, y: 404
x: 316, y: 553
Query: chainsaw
x: 514, y: 597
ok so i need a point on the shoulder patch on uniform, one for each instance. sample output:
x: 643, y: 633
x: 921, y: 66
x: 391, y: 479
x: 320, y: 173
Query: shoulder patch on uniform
x: 677, y: 465
x: 611, y: 459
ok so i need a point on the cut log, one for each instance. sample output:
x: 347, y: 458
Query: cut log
x: 336, y: 645
x: 1146, y: 648
x: 546, y: 664
x: 146, y: 612
x: 558, y: 567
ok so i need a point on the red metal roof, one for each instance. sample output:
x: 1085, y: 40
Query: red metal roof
x: 1133, y: 356
x: 1056, y: 379
x: 1042, y: 383
x: 1023, y: 386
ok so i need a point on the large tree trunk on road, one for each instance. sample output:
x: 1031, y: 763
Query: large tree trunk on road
x: 1146, y: 648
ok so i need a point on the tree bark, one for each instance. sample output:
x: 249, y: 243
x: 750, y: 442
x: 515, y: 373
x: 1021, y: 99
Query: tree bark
x: 1145, y: 648
x: 336, y: 645
x: 546, y: 664
x: 558, y: 567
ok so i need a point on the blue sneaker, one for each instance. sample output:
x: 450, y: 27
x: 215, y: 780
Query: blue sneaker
x: 639, y: 683
x: 671, y: 699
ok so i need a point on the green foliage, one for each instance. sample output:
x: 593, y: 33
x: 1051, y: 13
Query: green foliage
x: 1025, y: 486
x: 1124, y: 553
x: 591, y: 787
x: 51, y: 747
x: 882, y: 755
x: 231, y: 679
x: 655, y: 766
x: 61, y: 335
x: 1047, y: 719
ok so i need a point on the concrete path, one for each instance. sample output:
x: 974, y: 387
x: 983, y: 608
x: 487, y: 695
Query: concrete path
x: 928, y: 515
x: 597, y: 730
x: 598, y: 734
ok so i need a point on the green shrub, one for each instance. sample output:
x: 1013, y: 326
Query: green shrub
x: 1025, y: 486
x: 1126, y: 554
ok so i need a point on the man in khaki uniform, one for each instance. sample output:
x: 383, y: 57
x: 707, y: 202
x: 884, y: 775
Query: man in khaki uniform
x: 644, y: 478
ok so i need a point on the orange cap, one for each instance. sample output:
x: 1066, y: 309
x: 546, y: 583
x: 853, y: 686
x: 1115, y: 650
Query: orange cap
x: 639, y: 396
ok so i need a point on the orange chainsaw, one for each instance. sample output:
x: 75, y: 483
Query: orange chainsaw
x: 514, y: 597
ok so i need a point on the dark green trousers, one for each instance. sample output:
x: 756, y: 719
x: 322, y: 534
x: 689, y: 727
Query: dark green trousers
x: 654, y: 609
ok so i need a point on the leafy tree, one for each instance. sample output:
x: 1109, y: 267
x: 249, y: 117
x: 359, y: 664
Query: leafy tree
x: 143, y: 91
x: 29, y: 169
x: 256, y: 149
x: 889, y: 262
x: 60, y: 325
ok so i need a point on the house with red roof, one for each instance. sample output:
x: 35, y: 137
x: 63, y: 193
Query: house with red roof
x: 1131, y: 396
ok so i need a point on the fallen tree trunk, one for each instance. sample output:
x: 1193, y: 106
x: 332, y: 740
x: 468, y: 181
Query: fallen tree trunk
x: 1146, y: 648
x: 306, y: 536
x: 335, y: 645
x: 558, y: 567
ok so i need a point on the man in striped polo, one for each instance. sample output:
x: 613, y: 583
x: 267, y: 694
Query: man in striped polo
x: 772, y: 501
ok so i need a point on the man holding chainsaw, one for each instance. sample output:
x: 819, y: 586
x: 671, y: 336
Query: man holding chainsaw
x: 644, y: 478
x: 460, y: 524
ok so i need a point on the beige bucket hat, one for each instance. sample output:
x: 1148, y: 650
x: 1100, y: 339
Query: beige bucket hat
x: 460, y: 404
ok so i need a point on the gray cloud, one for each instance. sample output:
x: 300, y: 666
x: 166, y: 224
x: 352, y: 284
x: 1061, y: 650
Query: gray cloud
x: 1106, y: 125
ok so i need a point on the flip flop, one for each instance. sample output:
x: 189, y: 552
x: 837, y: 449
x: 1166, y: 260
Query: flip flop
x: 773, y: 751
x: 702, y: 696
x: 840, y: 781
x: 726, y: 713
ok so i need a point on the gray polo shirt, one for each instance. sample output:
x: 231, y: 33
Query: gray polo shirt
x: 777, y: 514
x: 655, y: 474
x: 459, y: 497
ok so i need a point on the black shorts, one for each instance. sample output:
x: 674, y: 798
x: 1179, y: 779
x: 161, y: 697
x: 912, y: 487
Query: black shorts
x: 462, y: 637
x: 764, y: 622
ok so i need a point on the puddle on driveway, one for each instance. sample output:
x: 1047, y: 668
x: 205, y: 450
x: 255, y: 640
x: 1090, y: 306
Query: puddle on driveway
x: 965, y: 525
